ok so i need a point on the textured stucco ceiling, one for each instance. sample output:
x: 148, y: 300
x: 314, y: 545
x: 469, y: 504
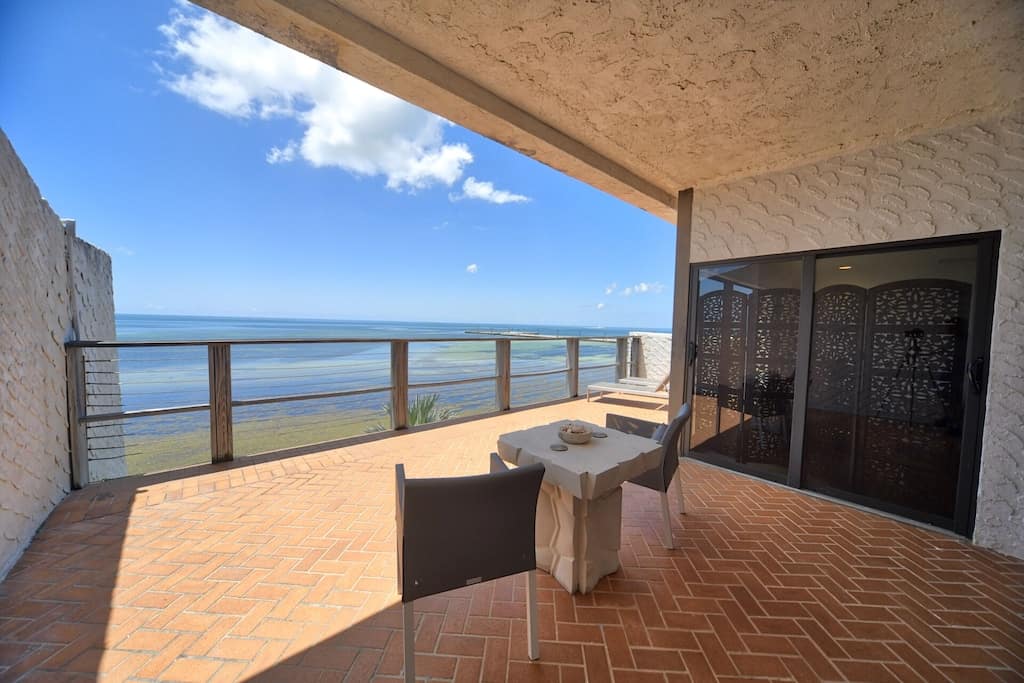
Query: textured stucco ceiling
x: 686, y: 94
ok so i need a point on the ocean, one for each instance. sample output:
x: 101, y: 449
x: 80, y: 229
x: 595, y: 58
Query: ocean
x: 139, y: 327
x: 162, y: 377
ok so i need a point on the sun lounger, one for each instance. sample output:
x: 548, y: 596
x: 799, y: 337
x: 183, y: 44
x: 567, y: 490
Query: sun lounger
x: 648, y: 382
x: 633, y: 386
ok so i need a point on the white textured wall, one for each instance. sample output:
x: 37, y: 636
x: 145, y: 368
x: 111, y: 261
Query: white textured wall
x: 35, y: 320
x: 656, y: 348
x: 963, y: 180
x: 34, y: 316
x: 94, y: 305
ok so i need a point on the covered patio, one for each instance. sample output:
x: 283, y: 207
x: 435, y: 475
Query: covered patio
x: 284, y: 569
x: 846, y: 141
x: 761, y: 131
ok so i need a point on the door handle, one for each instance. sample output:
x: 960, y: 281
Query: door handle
x: 974, y: 373
x: 693, y: 353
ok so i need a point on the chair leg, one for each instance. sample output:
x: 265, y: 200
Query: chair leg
x: 409, y: 632
x: 667, y: 514
x: 682, y: 497
x: 533, y: 647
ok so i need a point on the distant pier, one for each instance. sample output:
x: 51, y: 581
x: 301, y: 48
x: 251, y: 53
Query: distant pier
x: 509, y: 333
x: 531, y: 335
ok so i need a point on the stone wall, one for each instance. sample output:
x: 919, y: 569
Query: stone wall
x: 656, y: 354
x: 94, y: 308
x: 956, y: 181
x: 35, y: 321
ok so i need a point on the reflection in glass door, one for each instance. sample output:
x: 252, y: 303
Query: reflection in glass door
x: 885, y: 410
x: 747, y: 320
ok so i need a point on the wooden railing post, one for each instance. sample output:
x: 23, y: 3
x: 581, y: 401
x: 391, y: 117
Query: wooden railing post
x: 399, y: 384
x: 76, y: 410
x: 621, y: 354
x: 221, y: 436
x: 503, y: 372
x: 572, y: 355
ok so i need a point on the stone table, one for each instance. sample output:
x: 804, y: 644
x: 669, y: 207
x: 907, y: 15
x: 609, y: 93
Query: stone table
x: 579, y: 512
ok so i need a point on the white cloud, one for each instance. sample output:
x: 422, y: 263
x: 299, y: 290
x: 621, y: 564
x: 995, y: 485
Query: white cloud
x: 610, y: 288
x: 600, y: 306
x: 472, y: 268
x: 281, y: 155
x: 644, y: 288
x: 124, y: 251
x: 346, y: 123
x: 484, y: 190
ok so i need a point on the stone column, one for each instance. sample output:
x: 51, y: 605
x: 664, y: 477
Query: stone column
x: 681, y: 300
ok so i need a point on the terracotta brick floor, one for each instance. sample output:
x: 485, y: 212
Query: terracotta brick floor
x: 283, y: 570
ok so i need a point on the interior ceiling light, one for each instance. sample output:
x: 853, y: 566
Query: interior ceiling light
x: 845, y: 267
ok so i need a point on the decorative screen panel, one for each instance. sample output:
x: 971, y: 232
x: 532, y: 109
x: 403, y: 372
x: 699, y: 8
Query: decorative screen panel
x: 746, y: 361
x: 771, y: 367
x: 912, y: 398
x: 837, y: 336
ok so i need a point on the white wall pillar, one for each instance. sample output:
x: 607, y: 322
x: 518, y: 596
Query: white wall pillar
x: 681, y: 299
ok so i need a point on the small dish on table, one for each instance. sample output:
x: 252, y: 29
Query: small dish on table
x: 575, y: 433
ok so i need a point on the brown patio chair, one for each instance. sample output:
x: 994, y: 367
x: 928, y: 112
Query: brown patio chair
x: 459, y: 531
x: 659, y: 478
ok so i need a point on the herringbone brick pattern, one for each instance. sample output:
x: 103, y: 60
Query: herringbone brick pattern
x: 283, y: 570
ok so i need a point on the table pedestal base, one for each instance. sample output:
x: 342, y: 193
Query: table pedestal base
x: 577, y: 539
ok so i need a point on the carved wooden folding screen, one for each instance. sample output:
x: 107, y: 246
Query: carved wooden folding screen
x: 833, y: 394
x: 744, y: 372
x: 885, y: 391
x: 771, y: 366
x: 720, y: 366
x: 912, y: 392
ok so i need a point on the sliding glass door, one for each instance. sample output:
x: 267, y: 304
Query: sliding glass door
x: 747, y: 320
x: 885, y: 412
x: 857, y: 373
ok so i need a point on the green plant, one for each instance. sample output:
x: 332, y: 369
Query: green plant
x: 424, y: 409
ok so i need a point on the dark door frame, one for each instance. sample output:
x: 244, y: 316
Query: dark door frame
x: 975, y: 388
x: 979, y: 344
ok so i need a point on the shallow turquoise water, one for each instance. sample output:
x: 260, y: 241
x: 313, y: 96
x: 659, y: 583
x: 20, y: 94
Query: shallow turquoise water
x: 160, y: 377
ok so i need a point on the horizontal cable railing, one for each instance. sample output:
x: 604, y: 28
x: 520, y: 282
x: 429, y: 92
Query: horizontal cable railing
x: 142, y: 407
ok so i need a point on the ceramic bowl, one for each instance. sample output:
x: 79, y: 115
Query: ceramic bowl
x: 576, y: 438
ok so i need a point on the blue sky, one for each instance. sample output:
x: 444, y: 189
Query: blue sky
x: 226, y: 175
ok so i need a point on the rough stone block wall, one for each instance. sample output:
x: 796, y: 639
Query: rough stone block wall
x: 35, y: 321
x: 656, y: 349
x: 964, y: 180
x: 94, y: 308
x: 94, y: 291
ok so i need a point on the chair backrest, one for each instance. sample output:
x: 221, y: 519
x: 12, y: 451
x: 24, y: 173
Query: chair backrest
x: 632, y: 425
x: 672, y: 440
x: 458, y: 531
x: 670, y: 436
